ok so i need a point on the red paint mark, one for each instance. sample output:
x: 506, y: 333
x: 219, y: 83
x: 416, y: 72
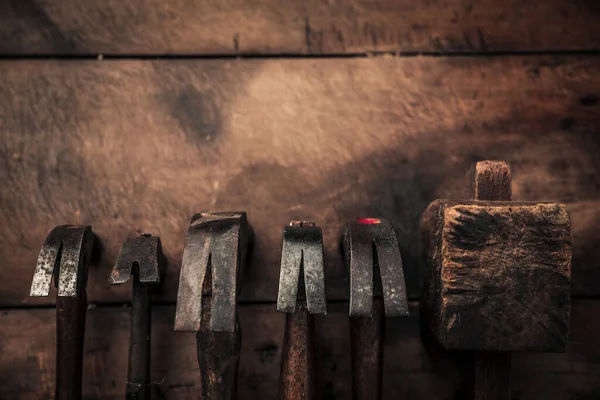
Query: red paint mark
x: 368, y: 221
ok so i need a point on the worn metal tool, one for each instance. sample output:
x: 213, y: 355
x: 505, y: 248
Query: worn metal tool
x: 140, y: 256
x: 377, y: 291
x: 301, y: 295
x: 213, y: 263
x: 66, y: 255
x: 497, y: 277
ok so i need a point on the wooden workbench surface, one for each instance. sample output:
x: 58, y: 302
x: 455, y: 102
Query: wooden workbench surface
x: 27, y: 361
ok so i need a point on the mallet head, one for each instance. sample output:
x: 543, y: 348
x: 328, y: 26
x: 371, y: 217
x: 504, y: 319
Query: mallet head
x: 497, y: 274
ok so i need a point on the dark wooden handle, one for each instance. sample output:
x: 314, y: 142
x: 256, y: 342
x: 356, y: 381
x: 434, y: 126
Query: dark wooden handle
x: 70, y: 332
x: 489, y: 377
x: 368, y: 336
x: 296, y: 380
x: 138, y: 376
x: 218, y: 358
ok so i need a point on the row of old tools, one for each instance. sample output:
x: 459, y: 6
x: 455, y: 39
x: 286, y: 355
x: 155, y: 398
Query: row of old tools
x: 496, y: 280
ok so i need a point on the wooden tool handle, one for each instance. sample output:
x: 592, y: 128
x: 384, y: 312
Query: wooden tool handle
x: 218, y: 358
x: 489, y: 377
x: 368, y: 337
x: 296, y: 380
x: 138, y: 376
x: 70, y: 332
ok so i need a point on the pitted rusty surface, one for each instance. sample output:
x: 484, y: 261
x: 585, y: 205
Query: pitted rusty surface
x: 216, y: 244
x: 370, y: 247
x: 145, y: 252
x: 65, y: 254
x: 302, y: 273
x: 46, y: 262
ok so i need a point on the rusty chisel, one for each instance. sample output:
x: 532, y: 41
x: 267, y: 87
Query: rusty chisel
x: 301, y: 294
x: 377, y: 291
x: 140, y: 256
x: 66, y: 255
x: 213, y: 262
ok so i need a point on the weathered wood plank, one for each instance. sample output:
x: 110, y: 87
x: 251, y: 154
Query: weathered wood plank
x: 498, y: 275
x: 292, y: 27
x: 133, y: 144
x: 410, y: 371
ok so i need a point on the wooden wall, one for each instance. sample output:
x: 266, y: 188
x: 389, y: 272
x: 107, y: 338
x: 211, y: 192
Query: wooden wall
x: 135, y: 115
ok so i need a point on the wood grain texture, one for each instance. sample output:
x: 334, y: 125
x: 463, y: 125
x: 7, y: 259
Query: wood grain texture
x: 501, y: 275
x: 297, y: 374
x: 126, y: 145
x: 489, y: 180
x: 27, y: 359
x: 367, y: 339
x: 292, y: 27
x: 490, y: 376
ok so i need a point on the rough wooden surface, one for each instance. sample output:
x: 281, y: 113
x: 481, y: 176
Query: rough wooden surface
x: 144, y: 144
x: 502, y: 275
x: 27, y: 359
x: 293, y: 27
x: 489, y: 180
x: 489, y: 376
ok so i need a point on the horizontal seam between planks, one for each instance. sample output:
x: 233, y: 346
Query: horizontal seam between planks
x: 399, y: 54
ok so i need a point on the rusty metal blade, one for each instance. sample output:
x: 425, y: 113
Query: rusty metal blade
x: 224, y: 262
x: 302, y: 252
x: 143, y: 250
x: 392, y: 274
x: 69, y: 248
x: 370, y: 247
x: 358, y: 251
x: 221, y: 240
x: 46, y: 263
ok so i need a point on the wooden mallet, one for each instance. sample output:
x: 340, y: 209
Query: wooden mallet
x: 497, y: 277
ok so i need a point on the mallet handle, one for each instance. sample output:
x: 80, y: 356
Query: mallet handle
x: 489, y: 377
